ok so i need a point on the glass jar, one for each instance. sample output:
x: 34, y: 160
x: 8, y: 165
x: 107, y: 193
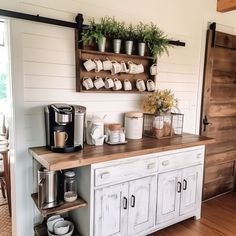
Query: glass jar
x: 70, y: 186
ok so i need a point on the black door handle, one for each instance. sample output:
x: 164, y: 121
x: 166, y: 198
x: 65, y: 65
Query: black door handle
x: 205, y: 123
x: 125, y: 203
x: 179, y: 187
x: 132, y: 201
x: 185, y: 184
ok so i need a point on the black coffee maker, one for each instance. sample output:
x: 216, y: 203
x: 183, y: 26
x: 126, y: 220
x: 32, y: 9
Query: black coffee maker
x: 65, y: 127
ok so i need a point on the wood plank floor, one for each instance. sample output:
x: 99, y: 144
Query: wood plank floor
x: 218, y: 218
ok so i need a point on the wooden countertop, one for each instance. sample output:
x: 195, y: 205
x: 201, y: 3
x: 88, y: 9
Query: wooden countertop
x: 95, y: 154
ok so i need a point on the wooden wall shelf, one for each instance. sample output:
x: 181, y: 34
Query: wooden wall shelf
x: 81, y: 72
x: 65, y: 207
x: 84, y: 53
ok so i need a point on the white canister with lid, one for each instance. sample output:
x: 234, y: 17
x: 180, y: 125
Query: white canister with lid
x: 133, y: 125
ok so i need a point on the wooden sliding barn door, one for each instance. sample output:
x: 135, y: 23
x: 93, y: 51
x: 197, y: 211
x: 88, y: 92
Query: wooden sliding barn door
x: 219, y: 113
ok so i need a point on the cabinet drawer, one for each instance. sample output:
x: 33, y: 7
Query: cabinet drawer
x: 181, y: 160
x: 125, y: 171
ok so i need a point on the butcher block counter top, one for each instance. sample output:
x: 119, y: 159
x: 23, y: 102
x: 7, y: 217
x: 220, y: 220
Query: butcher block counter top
x: 95, y: 154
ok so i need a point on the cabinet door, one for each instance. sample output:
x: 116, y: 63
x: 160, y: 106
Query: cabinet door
x: 111, y: 211
x: 191, y: 189
x: 142, y: 204
x: 168, y: 196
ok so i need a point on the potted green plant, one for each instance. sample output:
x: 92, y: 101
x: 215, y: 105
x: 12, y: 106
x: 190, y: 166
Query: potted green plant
x: 129, y: 37
x: 97, y: 32
x: 141, y: 34
x: 116, y: 32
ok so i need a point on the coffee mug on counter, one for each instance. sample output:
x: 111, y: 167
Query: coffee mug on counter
x: 99, y: 65
x: 89, y: 65
x: 150, y: 85
x: 153, y: 69
x: 109, y: 83
x: 60, y: 138
x: 98, y: 83
x: 87, y: 83
x: 140, y: 85
x: 127, y: 85
x: 117, y: 84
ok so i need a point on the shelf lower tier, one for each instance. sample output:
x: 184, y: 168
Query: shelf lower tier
x: 65, y: 207
x: 41, y: 230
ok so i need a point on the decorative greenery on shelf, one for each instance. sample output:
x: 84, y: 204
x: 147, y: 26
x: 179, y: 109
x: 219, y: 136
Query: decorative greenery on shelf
x: 159, y: 102
x: 130, y: 33
x: 116, y: 29
x: 95, y: 32
x: 109, y: 27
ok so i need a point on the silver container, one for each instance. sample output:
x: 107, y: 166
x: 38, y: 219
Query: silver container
x: 102, y: 44
x: 128, y: 47
x: 141, y: 49
x: 47, y: 189
x: 116, y: 45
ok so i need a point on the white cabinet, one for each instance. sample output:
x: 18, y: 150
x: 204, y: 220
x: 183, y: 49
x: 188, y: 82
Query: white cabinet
x: 137, y: 196
x: 179, y: 193
x: 111, y: 210
x: 142, y: 196
x: 168, y: 196
x: 191, y: 189
x: 125, y: 209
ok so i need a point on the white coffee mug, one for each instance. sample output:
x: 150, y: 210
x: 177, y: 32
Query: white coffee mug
x: 132, y: 68
x: 98, y: 83
x: 109, y: 83
x: 116, y: 68
x: 89, y: 65
x: 153, y: 69
x: 87, y: 83
x: 117, y: 84
x: 140, y: 85
x: 107, y: 65
x: 99, y: 65
x: 127, y: 85
x: 124, y: 68
x: 150, y: 85
x: 139, y: 69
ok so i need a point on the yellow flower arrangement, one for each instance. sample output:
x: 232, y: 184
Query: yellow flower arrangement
x: 159, y: 102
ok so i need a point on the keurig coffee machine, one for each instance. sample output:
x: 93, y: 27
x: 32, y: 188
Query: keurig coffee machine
x: 65, y: 127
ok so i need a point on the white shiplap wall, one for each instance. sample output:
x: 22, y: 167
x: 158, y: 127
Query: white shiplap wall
x: 49, y: 76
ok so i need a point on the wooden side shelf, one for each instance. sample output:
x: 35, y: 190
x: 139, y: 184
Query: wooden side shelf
x: 65, y: 207
x: 41, y: 230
